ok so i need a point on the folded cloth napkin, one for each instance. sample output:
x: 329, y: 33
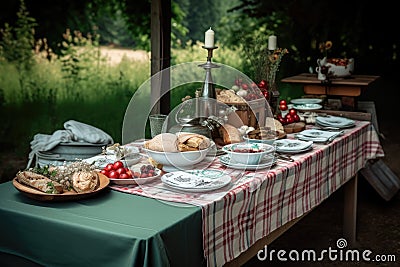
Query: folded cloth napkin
x: 291, y: 145
x: 82, y: 132
x: 318, y: 136
x: 74, y: 132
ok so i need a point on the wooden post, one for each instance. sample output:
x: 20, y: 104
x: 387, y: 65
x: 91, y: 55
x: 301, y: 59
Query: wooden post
x: 160, y: 55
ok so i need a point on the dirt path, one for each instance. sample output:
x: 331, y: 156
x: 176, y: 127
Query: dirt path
x: 115, y: 55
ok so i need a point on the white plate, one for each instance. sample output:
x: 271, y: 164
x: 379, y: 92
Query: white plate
x: 307, y: 106
x: 100, y: 161
x: 266, y: 162
x: 196, y: 180
x: 301, y: 101
x: 292, y: 145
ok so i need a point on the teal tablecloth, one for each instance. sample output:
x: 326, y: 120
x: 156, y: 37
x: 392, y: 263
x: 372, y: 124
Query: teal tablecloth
x: 108, y: 229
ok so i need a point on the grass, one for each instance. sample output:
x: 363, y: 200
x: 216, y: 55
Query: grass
x: 41, y: 99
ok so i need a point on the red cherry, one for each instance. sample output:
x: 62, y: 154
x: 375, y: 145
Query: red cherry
x: 296, y: 118
x: 262, y: 84
x: 292, y: 111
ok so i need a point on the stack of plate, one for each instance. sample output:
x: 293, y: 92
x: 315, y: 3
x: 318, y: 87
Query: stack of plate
x: 292, y: 146
x: 334, y: 121
x: 301, y: 101
x: 305, y: 104
x: 318, y: 136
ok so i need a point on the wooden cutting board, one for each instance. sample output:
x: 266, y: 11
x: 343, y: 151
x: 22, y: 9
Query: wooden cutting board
x: 294, y: 127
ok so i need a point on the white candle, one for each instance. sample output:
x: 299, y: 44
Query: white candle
x: 272, y: 42
x: 209, y: 38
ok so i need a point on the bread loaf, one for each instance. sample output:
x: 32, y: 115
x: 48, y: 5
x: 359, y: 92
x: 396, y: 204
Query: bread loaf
x: 39, y: 182
x: 230, y: 134
x: 192, y: 141
x: 274, y: 124
x: 179, y: 142
x: 164, y: 142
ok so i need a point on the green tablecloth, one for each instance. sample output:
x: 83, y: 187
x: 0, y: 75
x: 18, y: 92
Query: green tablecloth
x: 109, y: 229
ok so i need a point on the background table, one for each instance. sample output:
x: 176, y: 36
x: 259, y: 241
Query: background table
x: 348, y: 88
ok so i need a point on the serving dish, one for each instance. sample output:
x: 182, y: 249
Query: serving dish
x: 137, y: 181
x: 66, y: 196
x: 248, y: 153
x: 173, y: 161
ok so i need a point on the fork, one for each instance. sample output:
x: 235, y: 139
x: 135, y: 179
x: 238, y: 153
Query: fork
x: 330, y: 139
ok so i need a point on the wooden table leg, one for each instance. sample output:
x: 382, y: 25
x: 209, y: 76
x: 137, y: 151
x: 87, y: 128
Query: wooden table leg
x: 350, y: 211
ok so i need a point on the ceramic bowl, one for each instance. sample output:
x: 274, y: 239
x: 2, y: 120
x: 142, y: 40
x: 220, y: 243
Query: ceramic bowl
x: 248, y: 153
x: 341, y: 71
x: 173, y: 161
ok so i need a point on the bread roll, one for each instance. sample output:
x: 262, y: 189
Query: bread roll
x: 84, y: 181
x: 230, y: 134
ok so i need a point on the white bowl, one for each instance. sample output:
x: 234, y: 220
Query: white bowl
x: 173, y: 161
x: 248, y: 153
x: 341, y: 71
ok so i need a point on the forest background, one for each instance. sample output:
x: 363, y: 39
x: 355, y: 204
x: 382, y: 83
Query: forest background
x: 51, y: 68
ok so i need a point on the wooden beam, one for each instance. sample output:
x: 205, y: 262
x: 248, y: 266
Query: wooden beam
x: 354, y: 115
x: 160, y: 55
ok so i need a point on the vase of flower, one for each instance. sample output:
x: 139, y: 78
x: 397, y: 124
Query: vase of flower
x: 273, y: 62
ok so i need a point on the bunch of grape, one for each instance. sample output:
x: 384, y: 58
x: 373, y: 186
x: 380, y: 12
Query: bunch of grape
x: 145, y: 171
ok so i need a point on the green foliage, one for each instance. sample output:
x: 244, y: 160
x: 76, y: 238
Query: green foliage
x: 18, y: 42
x: 78, y: 85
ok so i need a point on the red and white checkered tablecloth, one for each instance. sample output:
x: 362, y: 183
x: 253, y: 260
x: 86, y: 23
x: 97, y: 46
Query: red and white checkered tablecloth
x: 235, y: 217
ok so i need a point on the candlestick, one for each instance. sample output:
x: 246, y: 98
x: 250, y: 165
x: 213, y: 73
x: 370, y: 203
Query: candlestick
x: 209, y: 38
x: 206, y: 105
x: 272, y: 42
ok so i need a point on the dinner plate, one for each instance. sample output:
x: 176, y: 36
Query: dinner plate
x: 266, y: 162
x: 292, y: 145
x: 100, y: 161
x: 301, y: 101
x: 306, y: 107
x: 196, y: 180
x: 66, y: 196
